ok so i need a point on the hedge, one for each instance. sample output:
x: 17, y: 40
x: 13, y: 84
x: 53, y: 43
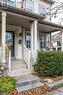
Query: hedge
x: 49, y: 63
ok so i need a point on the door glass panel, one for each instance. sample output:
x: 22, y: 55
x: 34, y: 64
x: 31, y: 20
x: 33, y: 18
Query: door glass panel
x: 10, y: 41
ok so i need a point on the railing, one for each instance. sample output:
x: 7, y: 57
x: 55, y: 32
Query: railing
x: 27, y: 56
x: 27, y: 5
x: 0, y: 54
x: 8, y: 2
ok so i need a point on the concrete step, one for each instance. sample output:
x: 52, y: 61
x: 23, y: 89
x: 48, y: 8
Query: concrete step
x: 19, y: 72
x: 18, y: 64
x: 28, y: 87
x: 27, y: 82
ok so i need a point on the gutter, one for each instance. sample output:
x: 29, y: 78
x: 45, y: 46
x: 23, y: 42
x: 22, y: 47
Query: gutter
x: 50, y: 24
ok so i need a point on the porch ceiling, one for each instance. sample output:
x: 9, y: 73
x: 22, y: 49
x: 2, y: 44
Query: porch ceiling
x: 47, y: 28
x: 25, y: 22
x: 20, y: 21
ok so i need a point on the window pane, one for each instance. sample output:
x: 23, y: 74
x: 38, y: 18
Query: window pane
x: 41, y: 9
x: 29, y: 5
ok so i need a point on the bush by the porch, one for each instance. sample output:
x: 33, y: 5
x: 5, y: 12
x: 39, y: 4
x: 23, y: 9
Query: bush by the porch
x: 49, y: 63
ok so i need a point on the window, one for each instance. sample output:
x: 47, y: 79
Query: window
x: 42, y: 41
x: 28, y: 39
x: 41, y: 9
x: 29, y: 5
x: 11, y: 0
x: 58, y: 43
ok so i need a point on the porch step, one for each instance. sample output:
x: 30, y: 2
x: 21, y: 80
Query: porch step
x: 19, y: 72
x: 18, y: 64
x: 27, y: 82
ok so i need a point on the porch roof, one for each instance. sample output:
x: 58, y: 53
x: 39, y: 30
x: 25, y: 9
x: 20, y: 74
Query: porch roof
x: 20, y: 17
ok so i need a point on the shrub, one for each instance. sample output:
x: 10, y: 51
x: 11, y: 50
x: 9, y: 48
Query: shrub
x: 49, y: 63
x: 7, y: 84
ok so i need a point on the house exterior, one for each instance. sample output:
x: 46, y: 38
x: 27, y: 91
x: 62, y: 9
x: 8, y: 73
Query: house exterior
x: 22, y: 27
x: 56, y: 41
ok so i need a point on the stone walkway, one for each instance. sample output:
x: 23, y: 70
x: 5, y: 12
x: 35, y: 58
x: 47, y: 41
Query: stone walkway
x: 56, y: 92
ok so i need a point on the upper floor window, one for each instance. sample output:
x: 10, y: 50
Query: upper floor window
x: 29, y: 5
x: 11, y: 2
x: 41, y: 9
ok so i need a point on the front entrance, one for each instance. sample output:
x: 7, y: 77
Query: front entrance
x: 10, y: 41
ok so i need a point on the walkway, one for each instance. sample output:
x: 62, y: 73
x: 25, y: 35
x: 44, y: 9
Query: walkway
x: 56, y: 92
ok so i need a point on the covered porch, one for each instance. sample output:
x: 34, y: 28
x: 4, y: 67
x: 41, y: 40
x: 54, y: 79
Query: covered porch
x: 27, y: 34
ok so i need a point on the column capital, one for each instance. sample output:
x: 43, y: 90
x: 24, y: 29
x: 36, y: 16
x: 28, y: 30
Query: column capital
x: 35, y: 21
x: 61, y: 30
x: 3, y: 13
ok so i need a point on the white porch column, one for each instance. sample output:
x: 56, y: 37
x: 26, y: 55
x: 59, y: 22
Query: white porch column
x: 62, y: 42
x: 23, y: 43
x: 38, y: 42
x: 50, y: 42
x: 32, y: 39
x: 19, y: 43
x: 35, y: 39
x: 56, y: 48
x: 23, y: 36
x: 3, y: 34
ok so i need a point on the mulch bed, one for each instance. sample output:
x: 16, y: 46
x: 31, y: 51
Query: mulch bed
x: 57, y: 78
x: 37, y: 91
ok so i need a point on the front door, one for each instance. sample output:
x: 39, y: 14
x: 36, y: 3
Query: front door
x: 10, y: 41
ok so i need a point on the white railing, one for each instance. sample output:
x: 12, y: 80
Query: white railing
x: 27, y: 5
x: 27, y: 56
x: 9, y: 62
x: 0, y: 54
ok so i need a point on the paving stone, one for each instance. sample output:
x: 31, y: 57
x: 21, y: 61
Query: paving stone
x: 27, y: 82
x: 52, y: 85
x: 55, y: 92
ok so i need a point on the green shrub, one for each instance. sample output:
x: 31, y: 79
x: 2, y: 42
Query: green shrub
x: 49, y: 63
x: 7, y: 84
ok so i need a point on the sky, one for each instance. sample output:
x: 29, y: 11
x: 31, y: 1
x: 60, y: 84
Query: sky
x: 59, y: 1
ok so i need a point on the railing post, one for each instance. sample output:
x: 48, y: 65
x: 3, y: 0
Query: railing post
x: 9, y: 61
x: 29, y: 63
